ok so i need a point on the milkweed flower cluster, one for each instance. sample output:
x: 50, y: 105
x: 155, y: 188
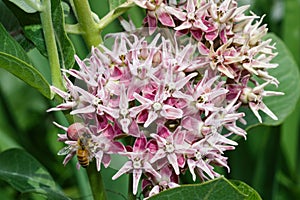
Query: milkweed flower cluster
x: 170, y: 105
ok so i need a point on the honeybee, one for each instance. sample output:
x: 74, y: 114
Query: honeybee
x: 83, y: 153
x: 82, y: 149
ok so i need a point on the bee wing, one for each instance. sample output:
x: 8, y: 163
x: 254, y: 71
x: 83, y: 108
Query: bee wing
x: 64, y: 151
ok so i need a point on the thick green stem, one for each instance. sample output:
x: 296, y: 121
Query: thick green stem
x: 130, y: 195
x: 96, y: 183
x: 48, y: 29
x: 88, y: 26
x: 100, y: 25
x: 82, y: 181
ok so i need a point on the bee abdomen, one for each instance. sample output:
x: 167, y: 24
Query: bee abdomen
x: 83, y: 157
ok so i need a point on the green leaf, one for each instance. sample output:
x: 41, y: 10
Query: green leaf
x: 12, y: 25
x: 288, y: 75
x: 64, y: 44
x: 246, y: 189
x: 290, y: 128
x: 115, y: 3
x: 10, y: 46
x: 23, y: 17
x: 137, y: 15
x: 220, y: 189
x: 29, y: 6
x: 35, y: 34
x: 25, y: 72
x: 117, y: 190
x: 66, y: 8
x: 26, y: 174
x: 291, y: 27
x: 120, y: 9
x: 14, y: 59
x: 7, y: 141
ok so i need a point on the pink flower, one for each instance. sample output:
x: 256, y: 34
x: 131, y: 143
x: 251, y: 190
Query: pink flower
x: 221, y: 59
x: 70, y: 98
x: 167, y: 180
x: 171, y: 147
x: 157, y: 10
x: 222, y: 18
x: 138, y: 163
x: 141, y: 69
x: 209, y: 150
x: 205, y: 95
x: 254, y: 96
x: 121, y: 113
x: 174, y: 82
x: 104, y: 148
x: 192, y: 19
x: 156, y: 108
x: 227, y: 117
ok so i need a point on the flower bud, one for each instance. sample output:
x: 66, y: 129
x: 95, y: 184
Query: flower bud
x: 74, y: 130
x: 157, y: 58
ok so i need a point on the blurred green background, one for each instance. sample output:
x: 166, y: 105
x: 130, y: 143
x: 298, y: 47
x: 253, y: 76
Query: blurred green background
x: 268, y: 160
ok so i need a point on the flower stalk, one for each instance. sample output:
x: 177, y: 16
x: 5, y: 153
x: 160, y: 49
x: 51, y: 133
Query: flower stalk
x: 96, y: 183
x: 88, y: 26
x: 48, y: 29
x: 130, y: 196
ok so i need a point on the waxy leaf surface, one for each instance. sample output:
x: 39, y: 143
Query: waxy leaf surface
x: 27, y: 175
x: 220, y: 189
x: 15, y: 60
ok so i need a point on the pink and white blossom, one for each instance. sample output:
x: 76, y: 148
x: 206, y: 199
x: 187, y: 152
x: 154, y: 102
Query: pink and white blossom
x: 178, y: 98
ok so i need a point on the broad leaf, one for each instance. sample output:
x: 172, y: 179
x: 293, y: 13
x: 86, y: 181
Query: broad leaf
x: 246, y: 189
x: 66, y: 8
x: 26, y: 6
x: 288, y: 75
x: 7, y: 141
x: 65, y: 46
x: 220, y: 188
x: 10, y: 46
x: 12, y: 25
x: 123, y: 8
x: 35, y: 34
x: 25, y: 72
x: 14, y: 59
x: 115, y: 3
x: 117, y: 189
x: 23, y: 17
x: 26, y: 174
